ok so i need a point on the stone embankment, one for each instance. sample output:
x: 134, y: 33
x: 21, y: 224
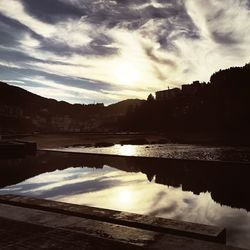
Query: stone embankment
x: 28, y: 223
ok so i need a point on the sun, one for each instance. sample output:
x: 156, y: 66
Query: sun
x: 126, y: 73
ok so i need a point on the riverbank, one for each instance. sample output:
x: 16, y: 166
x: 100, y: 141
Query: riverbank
x: 101, y: 139
x: 93, y: 139
x: 109, y: 139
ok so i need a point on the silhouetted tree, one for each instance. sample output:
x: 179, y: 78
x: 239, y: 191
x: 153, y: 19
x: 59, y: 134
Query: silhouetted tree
x: 150, y: 98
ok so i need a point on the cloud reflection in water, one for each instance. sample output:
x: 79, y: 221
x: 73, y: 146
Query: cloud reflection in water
x: 132, y: 192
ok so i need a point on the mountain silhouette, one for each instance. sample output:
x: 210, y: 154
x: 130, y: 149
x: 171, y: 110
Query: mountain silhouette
x: 23, y: 111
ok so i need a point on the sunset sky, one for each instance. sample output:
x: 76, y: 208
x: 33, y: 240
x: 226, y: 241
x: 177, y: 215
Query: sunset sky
x: 86, y: 51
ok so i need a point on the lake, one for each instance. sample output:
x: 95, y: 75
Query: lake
x: 205, y: 192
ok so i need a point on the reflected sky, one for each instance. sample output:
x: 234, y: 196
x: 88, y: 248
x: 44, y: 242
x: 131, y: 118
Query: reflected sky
x: 132, y: 192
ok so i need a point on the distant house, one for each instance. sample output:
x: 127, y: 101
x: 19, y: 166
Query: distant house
x: 192, y: 89
x: 168, y: 94
x: 10, y: 111
x: 61, y: 123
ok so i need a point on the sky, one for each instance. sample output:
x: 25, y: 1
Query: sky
x: 89, y: 51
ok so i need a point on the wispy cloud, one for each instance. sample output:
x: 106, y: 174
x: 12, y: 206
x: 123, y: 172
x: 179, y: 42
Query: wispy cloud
x: 109, y: 47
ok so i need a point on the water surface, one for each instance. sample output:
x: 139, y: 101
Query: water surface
x: 198, y: 192
x: 175, y: 151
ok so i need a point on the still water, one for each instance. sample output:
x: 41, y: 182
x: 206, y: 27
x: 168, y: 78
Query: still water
x: 209, y: 193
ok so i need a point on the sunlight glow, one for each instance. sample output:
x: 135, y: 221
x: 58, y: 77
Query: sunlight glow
x: 127, y: 150
x: 126, y: 74
x: 125, y: 196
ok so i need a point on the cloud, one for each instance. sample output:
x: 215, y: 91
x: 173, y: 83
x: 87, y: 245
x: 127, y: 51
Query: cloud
x: 59, y: 87
x: 15, y: 10
x: 51, y: 13
x: 136, y: 47
x: 223, y: 40
x: 224, y: 23
x: 152, y: 55
x: 9, y: 31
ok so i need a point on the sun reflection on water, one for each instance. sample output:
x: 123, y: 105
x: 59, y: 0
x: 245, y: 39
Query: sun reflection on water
x: 125, y: 196
x: 111, y: 188
x: 128, y: 150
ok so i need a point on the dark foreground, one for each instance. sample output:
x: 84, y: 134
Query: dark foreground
x: 28, y: 223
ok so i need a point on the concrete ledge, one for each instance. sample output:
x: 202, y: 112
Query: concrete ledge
x: 12, y: 149
x: 56, y: 221
x: 178, y: 228
x: 17, y: 235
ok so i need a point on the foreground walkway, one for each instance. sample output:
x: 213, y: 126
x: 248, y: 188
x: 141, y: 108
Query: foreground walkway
x: 28, y: 223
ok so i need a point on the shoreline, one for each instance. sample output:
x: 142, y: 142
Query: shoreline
x: 93, y: 139
x: 110, y: 139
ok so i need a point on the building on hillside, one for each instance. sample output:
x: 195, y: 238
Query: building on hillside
x: 168, y: 94
x: 192, y: 89
x: 61, y: 123
x: 10, y: 111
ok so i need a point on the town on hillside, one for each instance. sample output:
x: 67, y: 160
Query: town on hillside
x: 186, y: 89
x: 218, y: 108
